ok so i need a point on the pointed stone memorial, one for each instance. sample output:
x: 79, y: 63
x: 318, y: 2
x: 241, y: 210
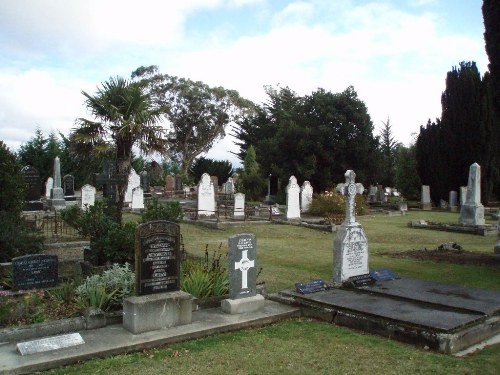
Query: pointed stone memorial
x: 242, y: 268
x: 350, y: 247
x: 472, y: 211
x: 306, y: 196
x: 57, y: 200
x: 292, y: 199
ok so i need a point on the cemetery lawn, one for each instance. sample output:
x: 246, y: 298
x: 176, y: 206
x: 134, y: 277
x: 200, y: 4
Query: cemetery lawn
x: 290, y: 254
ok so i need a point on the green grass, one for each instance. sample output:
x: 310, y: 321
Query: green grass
x: 290, y: 254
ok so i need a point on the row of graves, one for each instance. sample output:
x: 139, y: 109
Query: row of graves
x: 444, y: 318
x: 471, y: 219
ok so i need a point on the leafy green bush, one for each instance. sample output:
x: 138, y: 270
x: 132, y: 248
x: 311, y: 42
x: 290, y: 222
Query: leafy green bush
x: 109, y: 241
x: 107, y: 291
x: 331, y: 203
x: 17, y: 238
x: 154, y: 210
x: 26, y: 309
x: 205, y: 278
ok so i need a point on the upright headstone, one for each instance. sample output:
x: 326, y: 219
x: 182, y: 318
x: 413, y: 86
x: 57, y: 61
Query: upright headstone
x: 463, y: 195
x: 229, y: 187
x: 48, y: 187
x: 292, y: 199
x: 34, y: 271
x: 425, y: 198
x: 206, y: 196
x: 215, y: 182
x: 169, y: 184
x: 242, y: 257
x: 31, y: 178
x: 239, y: 205
x: 372, y: 194
x: 178, y: 183
x: 381, y: 194
x: 109, y: 180
x: 69, y: 185
x: 306, y: 196
x: 137, y: 198
x: 57, y: 200
x: 453, y: 201
x: 472, y: 211
x: 88, y: 196
x: 159, y: 303
x: 145, y: 181
x: 134, y: 180
x: 350, y: 248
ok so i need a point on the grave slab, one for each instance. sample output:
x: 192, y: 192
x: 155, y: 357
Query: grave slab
x: 50, y: 343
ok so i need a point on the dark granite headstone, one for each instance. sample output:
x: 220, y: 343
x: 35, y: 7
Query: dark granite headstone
x: 109, y: 180
x: 310, y: 287
x: 32, y: 179
x: 383, y: 274
x: 242, y: 266
x: 34, y: 271
x: 157, y: 257
x: 69, y: 185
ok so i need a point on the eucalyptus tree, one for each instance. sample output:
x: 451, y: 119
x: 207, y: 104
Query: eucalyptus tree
x: 125, y: 117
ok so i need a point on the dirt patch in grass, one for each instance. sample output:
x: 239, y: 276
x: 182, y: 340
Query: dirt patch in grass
x: 450, y: 256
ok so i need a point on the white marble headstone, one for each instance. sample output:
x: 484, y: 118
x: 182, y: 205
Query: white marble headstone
x: 239, y: 205
x: 48, y: 186
x: 292, y: 199
x: 134, y: 180
x: 137, y: 198
x: 206, y: 196
x: 88, y: 196
x: 306, y: 195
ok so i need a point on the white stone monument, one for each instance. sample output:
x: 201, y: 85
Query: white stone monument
x: 306, y: 196
x: 134, y: 180
x: 350, y: 248
x: 206, y: 196
x: 57, y: 200
x: 137, y: 198
x: 292, y: 199
x: 229, y: 186
x: 472, y: 211
x: 48, y: 186
x: 425, y: 199
x: 88, y: 196
x: 239, y: 205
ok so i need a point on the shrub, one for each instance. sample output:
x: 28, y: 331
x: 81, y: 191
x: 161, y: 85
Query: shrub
x: 331, y: 203
x: 154, y: 210
x: 107, y: 291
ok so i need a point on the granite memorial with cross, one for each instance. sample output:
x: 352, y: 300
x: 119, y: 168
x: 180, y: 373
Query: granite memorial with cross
x: 350, y: 247
x: 158, y: 303
x: 109, y: 180
x: 242, y: 267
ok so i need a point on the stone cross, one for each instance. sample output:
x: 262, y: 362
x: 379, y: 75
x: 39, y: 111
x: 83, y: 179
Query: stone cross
x: 244, y: 265
x: 109, y: 179
x: 350, y: 190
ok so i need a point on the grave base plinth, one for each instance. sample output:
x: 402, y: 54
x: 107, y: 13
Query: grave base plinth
x: 243, y: 305
x: 157, y: 311
x: 426, y: 206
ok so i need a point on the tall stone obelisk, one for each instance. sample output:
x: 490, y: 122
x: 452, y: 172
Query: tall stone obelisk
x: 56, y: 200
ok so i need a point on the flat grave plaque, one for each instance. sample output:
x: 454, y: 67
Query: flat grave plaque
x: 157, y: 257
x: 50, y: 343
x: 310, y: 287
x: 34, y: 271
x: 383, y: 274
x: 361, y: 280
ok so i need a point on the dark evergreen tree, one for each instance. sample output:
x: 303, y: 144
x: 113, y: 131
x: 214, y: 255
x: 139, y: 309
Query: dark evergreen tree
x: 388, y: 148
x: 491, y: 17
x: 223, y: 169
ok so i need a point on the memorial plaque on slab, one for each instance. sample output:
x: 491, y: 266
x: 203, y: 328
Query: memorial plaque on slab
x: 361, y: 280
x: 383, y: 274
x: 50, y: 343
x: 34, y: 271
x: 310, y: 287
x: 242, y: 266
x: 157, y: 257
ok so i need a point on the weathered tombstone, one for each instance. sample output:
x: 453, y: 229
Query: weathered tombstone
x: 292, y: 199
x: 372, y: 195
x: 206, y: 196
x: 453, y: 201
x: 178, y: 183
x: 47, y: 344
x: 350, y: 248
x: 159, y: 302
x: 137, y: 198
x: 134, y: 180
x: 48, y: 186
x: 425, y: 199
x: 109, y: 180
x: 57, y: 200
x: 169, y: 184
x: 306, y: 196
x: 381, y: 194
x: 34, y: 271
x: 463, y: 194
x: 88, y: 196
x: 472, y: 211
x: 242, y: 258
x: 145, y: 181
x: 69, y: 185
x: 239, y: 205
x: 31, y: 178
x: 229, y: 187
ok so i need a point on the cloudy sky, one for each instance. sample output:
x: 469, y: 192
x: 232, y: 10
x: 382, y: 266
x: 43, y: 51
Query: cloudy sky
x: 395, y: 53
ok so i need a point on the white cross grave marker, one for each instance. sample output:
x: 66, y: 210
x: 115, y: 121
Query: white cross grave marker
x: 244, y: 265
x: 351, y: 189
